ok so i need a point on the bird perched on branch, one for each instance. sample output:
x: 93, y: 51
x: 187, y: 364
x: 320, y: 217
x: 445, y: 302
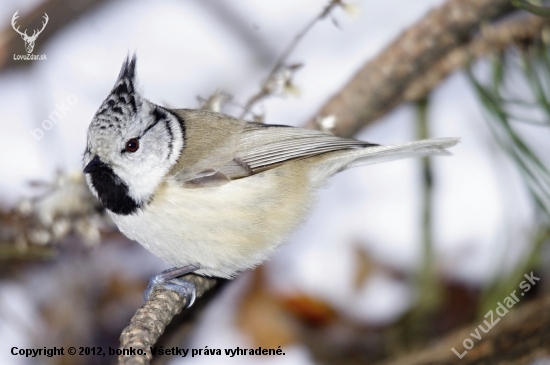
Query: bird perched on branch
x: 210, y: 193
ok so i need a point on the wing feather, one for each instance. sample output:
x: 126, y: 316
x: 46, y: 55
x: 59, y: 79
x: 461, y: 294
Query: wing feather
x: 238, y: 149
x: 267, y: 146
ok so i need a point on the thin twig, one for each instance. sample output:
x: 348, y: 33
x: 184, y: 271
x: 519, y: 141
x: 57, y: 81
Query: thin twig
x: 280, y: 63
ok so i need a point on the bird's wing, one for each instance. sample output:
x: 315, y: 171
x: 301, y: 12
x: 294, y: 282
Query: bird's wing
x: 220, y: 148
x: 264, y: 146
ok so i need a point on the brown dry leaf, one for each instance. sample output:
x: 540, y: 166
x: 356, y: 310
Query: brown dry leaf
x: 309, y: 310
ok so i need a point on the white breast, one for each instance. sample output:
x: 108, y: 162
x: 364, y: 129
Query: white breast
x: 223, y: 229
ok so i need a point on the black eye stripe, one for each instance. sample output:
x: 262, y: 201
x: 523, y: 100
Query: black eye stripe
x: 171, y: 133
x: 158, y: 115
x: 149, y: 128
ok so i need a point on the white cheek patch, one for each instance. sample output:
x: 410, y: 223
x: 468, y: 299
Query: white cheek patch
x: 144, y: 171
x: 144, y: 178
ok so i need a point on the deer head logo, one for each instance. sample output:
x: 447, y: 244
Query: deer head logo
x: 29, y: 40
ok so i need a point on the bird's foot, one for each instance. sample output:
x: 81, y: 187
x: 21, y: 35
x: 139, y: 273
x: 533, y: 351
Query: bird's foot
x: 168, y: 280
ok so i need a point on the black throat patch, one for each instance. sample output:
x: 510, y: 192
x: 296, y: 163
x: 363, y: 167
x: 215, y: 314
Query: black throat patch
x: 113, y: 192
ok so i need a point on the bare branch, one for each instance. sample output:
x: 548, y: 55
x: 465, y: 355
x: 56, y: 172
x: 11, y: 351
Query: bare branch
x: 151, y: 319
x: 493, y: 39
x: 520, y: 337
x: 379, y: 86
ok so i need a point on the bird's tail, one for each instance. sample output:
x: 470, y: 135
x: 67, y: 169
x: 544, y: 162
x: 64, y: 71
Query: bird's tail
x: 425, y: 147
x: 343, y: 160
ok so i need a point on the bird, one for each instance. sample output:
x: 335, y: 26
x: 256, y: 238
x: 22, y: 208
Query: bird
x: 207, y: 192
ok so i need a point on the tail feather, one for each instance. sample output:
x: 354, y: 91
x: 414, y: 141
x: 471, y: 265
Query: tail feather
x: 426, y: 147
x: 343, y: 160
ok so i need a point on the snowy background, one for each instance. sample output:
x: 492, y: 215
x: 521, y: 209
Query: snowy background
x: 186, y: 49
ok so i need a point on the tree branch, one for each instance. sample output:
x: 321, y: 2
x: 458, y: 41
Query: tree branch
x: 151, y: 319
x: 493, y: 39
x: 521, y: 337
x: 379, y: 86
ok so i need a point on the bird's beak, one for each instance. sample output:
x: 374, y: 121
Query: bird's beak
x: 94, y: 165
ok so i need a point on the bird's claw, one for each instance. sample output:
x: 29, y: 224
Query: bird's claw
x: 169, y: 280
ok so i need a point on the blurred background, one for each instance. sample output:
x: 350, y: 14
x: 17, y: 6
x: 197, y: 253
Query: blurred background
x: 393, y: 256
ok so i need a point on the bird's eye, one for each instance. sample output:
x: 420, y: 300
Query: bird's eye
x: 132, y: 145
